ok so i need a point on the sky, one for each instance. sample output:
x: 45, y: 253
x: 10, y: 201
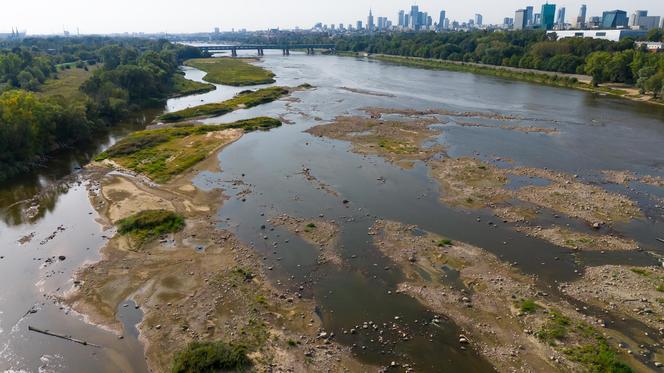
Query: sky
x: 150, y: 16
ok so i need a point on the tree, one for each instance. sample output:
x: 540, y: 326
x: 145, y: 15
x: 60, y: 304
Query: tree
x: 655, y: 84
x: 642, y: 77
x: 656, y: 34
x: 596, y: 66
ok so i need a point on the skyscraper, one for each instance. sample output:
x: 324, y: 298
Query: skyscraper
x: 560, y: 21
x: 441, y: 20
x: 520, y: 19
x: 641, y: 21
x: 548, y: 16
x: 415, y: 17
x: 381, y: 24
x: 530, y: 16
x: 614, y: 19
x: 581, y: 19
x: 537, y: 19
x: 478, y: 20
x: 359, y: 25
x: 634, y: 18
x: 370, y: 22
x: 402, y: 15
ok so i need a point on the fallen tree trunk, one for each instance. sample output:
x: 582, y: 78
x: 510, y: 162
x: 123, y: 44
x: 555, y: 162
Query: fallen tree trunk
x: 68, y: 338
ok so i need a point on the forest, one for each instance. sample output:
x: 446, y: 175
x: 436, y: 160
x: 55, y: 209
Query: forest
x: 121, y: 76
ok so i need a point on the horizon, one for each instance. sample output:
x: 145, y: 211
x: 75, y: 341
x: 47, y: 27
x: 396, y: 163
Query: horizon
x: 41, y: 17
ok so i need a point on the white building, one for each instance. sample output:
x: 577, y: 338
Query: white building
x: 613, y: 35
x: 651, y: 46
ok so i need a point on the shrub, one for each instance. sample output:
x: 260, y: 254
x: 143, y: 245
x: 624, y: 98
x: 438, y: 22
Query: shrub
x: 444, y: 242
x: 528, y: 306
x: 201, y: 357
x: 149, y: 224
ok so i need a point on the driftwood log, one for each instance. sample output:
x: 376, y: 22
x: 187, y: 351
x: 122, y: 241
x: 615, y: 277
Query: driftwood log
x: 66, y: 337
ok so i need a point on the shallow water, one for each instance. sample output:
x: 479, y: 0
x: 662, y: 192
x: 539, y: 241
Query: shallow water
x: 595, y: 133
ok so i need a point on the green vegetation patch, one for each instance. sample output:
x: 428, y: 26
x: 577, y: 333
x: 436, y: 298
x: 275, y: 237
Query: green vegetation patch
x: 396, y: 146
x: 444, y: 242
x: 211, y: 357
x: 596, y: 356
x: 67, y: 84
x: 185, y: 87
x: 528, y: 306
x: 232, y: 71
x: 161, y: 154
x: 243, y: 100
x: 581, y: 343
x: 150, y: 224
x: 555, y: 329
x: 309, y: 227
x: 640, y: 271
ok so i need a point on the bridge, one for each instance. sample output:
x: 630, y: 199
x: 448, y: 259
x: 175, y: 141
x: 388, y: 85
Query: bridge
x: 285, y: 48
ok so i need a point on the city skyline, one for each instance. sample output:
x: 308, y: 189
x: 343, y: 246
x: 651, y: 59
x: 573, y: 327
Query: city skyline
x: 42, y: 17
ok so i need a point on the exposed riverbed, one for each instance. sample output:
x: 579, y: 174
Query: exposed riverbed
x: 288, y: 171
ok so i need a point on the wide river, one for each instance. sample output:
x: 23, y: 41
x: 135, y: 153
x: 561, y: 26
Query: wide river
x: 41, y: 248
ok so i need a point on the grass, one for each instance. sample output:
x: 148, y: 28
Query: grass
x: 243, y: 100
x: 582, y: 344
x: 660, y: 288
x: 528, y: 306
x: 396, y: 146
x: 309, y: 227
x: 211, y: 357
x: 150, y: 224
x: 185, y: 87
x: 596, y: 356
x: 232, y: 71
x: 555, y: 329
x: 640, y: 271
x: 444, y: 242
x: 67, y: 84
x: 161, y: 154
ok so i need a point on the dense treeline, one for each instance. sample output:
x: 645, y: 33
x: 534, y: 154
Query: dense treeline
x: 133, y: 73
x: 22, y: 69
x: 604, y: 60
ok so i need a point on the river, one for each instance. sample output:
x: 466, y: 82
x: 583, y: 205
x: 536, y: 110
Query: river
x: 595, y: 133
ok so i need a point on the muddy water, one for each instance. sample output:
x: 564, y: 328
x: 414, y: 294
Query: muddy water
x: 595, y: 133
x: 33, y: 274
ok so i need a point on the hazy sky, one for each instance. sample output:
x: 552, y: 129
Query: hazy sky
x: 90, y: 16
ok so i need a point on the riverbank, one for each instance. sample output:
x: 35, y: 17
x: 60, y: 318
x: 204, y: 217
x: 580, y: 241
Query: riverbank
x: 576, y: 81
x: 197, y: 284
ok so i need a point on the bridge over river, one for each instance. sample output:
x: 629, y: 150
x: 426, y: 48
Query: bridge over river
x: 285, y: 48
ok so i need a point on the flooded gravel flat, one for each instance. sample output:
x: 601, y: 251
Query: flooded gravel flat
x: 593, y: 134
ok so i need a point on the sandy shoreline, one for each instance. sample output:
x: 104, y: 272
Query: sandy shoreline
x: 198, y: 284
